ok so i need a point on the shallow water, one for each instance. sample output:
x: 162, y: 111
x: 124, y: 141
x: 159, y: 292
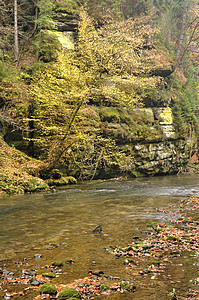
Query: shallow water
x: 123, y: 208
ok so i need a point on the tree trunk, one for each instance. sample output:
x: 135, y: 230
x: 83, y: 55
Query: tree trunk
x: 182, y: 32
x: 150, y: 23
x: 31, y: 148
x: 16, y: 50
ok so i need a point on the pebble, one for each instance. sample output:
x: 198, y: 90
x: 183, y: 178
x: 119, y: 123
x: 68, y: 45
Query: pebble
x: 197, y: 264
x: 141, y: 273
x: 6, y: 273
x: 25, y: 272
x: 38, y: 256
x: 33, y: 281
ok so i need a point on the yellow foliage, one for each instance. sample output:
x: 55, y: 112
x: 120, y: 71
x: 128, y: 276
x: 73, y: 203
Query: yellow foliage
x: 110, y: 64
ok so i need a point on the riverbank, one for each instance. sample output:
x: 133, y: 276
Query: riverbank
x: 166, y: 258
x: 18, y: 172
x: 21, y: 174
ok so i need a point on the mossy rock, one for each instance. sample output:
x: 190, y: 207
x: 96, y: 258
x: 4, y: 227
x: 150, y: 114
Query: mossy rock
x: 128, y: 287
x: 154, y: 262
x: 144, y: 247
x: 71, y: 180
x: 47, y: 45
x: 128, y: 248
x: 186, y: 221
x: 34, y: 185
x: 61, y: 181
x: 57, y: 264
x: 48, y: 288
x: 129, y: 261
x: 69, y: 261
x: 121, y: 249
x: 104, y: 287
x: 69, y: 294
x: 172, y: 238
x: 49, y: 275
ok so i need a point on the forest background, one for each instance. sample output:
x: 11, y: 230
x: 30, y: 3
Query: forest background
x: 78, y: 80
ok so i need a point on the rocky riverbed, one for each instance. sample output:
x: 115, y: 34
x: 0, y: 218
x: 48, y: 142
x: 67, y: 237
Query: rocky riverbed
x: 168, y: 251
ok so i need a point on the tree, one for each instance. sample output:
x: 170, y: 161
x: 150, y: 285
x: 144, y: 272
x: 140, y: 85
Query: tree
x: 16, y: 47
x: 110, y: 66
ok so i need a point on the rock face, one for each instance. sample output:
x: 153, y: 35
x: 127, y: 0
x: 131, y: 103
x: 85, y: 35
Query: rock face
x: 164, y: 157
x: 65, y: 21
x: 65, y: 38
x: 164, y: 154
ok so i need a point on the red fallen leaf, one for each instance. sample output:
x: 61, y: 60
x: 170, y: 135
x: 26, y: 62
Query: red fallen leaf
x: 41, y: 278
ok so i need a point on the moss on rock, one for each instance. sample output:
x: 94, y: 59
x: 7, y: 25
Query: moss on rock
x: 104, y: 287
x: 61, y: 181
x: 69, y: 294
x: 48, y: 288
x: 57, y: 264
x: 49, y: 275
x: 47, y: 45
x: 128, y: 287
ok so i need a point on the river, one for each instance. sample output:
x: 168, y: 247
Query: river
x: 123, y: 208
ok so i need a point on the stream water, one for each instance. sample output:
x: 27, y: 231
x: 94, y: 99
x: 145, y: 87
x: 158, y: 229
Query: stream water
x: 30, y: 222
